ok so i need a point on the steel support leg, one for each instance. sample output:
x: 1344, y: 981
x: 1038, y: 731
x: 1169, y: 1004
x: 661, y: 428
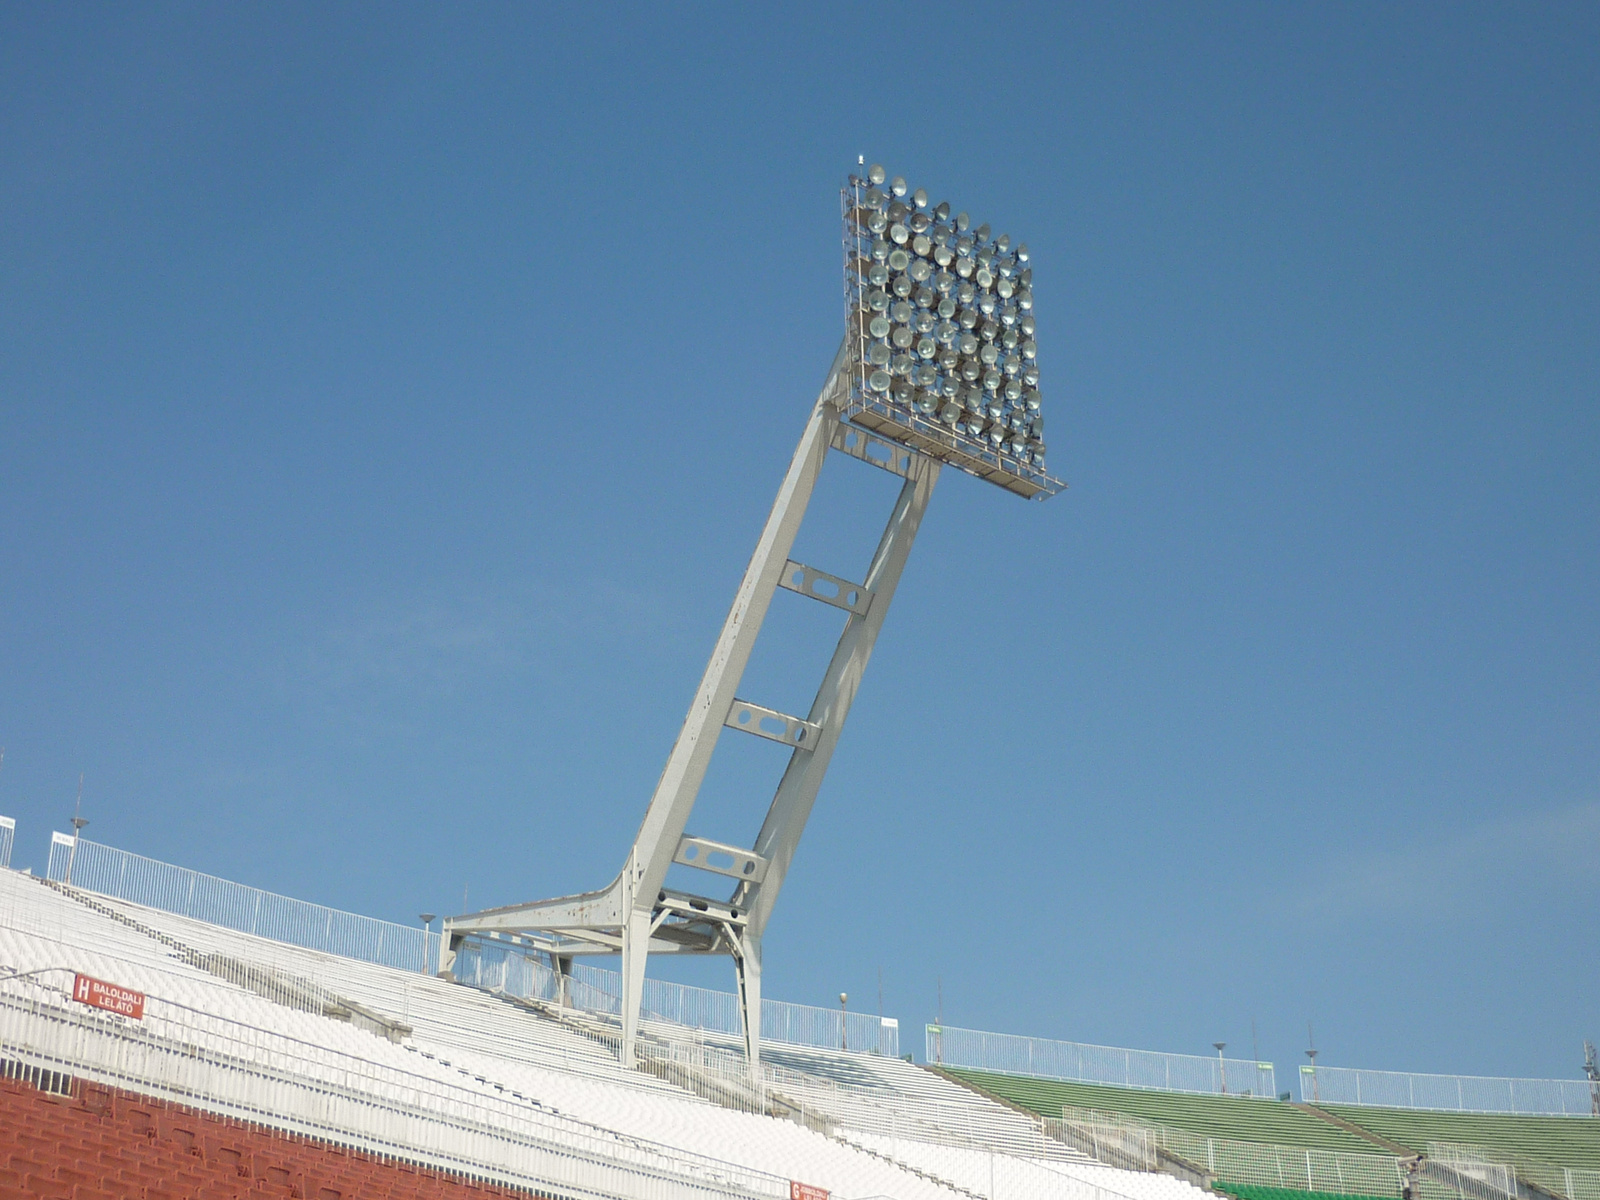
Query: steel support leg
x: 797, y: 791
x: 635, y: 947
x: 747, y: 965
x: 563, y: 968
x: 448, y: 944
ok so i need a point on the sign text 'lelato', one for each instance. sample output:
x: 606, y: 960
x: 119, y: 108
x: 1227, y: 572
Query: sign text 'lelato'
x: 97, y: 993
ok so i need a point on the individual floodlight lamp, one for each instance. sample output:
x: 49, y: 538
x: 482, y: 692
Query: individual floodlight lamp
x: 940, y: 335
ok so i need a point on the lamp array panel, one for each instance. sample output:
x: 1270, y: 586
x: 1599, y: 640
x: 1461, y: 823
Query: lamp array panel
x: 940, y: 326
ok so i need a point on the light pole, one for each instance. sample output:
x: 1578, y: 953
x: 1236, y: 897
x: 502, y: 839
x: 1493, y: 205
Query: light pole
x: 77, y: 831
x: 427, y: 922
x: 78, y: 822
x: 1222, y: 1066
x: 1591, y: 1068
x: 844, y: 999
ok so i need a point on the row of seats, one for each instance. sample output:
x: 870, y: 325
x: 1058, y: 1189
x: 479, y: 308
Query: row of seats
x: 1245, y: 1191
x: 1018, y: 1178
x: 898, y: 1130
x: 459, y: 1036
x: 453, y: 1022
x: 107, y: 1145
x: 188, y: 1010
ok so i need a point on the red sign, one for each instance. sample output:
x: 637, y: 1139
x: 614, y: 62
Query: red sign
x: 97, y: 993
x: 804, y: 1191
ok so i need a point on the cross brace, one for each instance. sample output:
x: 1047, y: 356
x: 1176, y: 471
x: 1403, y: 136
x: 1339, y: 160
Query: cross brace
x: 637, y: 914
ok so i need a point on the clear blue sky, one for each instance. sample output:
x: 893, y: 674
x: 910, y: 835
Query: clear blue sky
x: 390, y: 399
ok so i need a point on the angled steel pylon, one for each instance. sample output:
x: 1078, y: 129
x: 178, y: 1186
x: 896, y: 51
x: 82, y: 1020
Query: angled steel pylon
x: 637, y: 914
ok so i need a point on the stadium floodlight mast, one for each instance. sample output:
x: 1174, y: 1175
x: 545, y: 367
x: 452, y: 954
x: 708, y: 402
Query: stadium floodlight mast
x: 938, y: 366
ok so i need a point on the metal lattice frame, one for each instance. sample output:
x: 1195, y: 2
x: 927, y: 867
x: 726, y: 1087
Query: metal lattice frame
x: 637, y: 914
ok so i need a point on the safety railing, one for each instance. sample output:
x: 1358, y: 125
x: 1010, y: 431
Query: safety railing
x: 140, y: 880
x: 1130, y: 1147
x: 278, y: 1081
x: 1012, y: 1054
x: 1139, y: 1146
x: 1572, y: 1182
x: 1448, y: 1093
x: 596, y: 990
x: 8, y: 834
x: 1474, y: 1165
x: 1499, y: 1170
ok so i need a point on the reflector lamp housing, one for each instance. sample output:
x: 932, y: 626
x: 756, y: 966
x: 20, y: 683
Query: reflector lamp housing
x: 940, y: 330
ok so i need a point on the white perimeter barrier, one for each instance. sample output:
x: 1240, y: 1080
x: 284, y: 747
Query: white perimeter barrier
x: 1447, y: 1093
x: 8, y: 834
x: 1015, y: 1055
x: 96, y: 868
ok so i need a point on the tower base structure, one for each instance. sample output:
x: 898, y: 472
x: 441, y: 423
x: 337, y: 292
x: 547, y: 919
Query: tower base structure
x: 637, y: 915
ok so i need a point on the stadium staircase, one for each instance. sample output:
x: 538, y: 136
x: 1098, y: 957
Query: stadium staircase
x: 467, y: 1083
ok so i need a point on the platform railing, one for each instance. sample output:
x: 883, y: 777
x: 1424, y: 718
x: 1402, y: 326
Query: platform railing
x: 139, y: 880
x: 1447, y: 1093
x: 1079, y: 1062
x: 596, y: 990
x: 8, y: 835
x: 281, y: 1082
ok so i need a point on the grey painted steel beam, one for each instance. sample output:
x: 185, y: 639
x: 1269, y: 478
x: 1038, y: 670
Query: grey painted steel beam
x: 702, y: 854
x: 872, y: 449
x: 797, y: 791
x: 815, y: 584
x: 770, y: 723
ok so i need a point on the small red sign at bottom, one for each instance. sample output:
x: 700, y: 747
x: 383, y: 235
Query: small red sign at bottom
x: 97, y: 993
x: 804, y: 1191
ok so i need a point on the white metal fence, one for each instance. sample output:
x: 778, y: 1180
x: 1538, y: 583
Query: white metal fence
x: 1135, y: 1145
x: 1075, y: 1061
x: 1500, y: 1171
x: 1475, y: 1164
x: 8, y: 834
x: 132, y: 877
x: 141, y: 880
x: 259, y: 1075
x: 1447, y: 1093
x: 596, y: 990
x: 1573, y: 1182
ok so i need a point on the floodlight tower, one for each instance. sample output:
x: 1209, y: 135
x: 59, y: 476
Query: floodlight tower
x: 938, y: 367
